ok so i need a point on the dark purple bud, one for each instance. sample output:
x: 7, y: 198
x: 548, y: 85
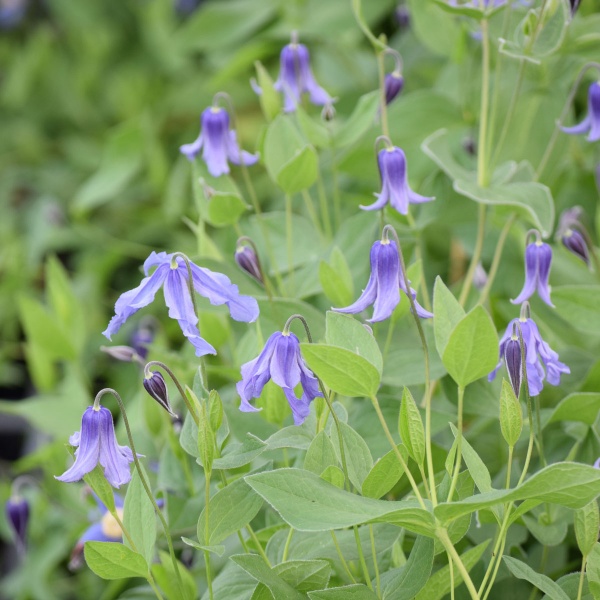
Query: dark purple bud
x: 575, y: 243
x: 574, y: 5
x: 512, y: 357
x: 155, y: 385
x: 402, y: 15
x: 123, y: 353
x: 393, y: 84
x: 17, y: 515
x: 247, y: 260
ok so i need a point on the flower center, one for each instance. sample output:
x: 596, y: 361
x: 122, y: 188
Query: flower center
x: 110, y: 527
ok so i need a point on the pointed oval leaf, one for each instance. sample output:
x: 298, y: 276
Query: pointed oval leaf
x: 411, y: 428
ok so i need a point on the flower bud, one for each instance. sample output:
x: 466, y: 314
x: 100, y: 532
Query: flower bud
x: 123, y: 353
x: 155, y: 385
x: 392, y: 84
x: 512, y: 358
x: 17, y: 515
x: 574, y: 242
x: 248, y: 261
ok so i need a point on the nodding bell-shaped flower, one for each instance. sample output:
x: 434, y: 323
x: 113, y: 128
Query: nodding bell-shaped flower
x: 570, y: 235
x: 296, y: 77
x: 591, y: 123
x: 538, y: 354
x: 218, y: 143
x: 17, y: 516
x: 172, y: 275
x: 385, y: 282
x: 394, y: 182
x: 538, y: 260
x: 96, y: 443
x: 281, y: 361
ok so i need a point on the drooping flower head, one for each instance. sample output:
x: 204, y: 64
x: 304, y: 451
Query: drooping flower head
x: 569, y: 231
x: 540, y: 360
x: 17, y: 516
x: 155, y: 385
x: 96, y: 443
x: 393, y: 82
x: 395, y: 189
x: 296, y: 77
x: 218, y: 143
x: 247, y: 259
x: 538, y: 260
x: 171, y: 273
x: 281, y: 361
x: 385, y: 282
x: 591, y: 123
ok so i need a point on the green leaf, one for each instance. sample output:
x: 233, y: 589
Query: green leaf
x: 218, y: 550
x: 477, y: 468
x: 237, y: 455
x: 569, y: 484
x: 112, y: 560
x: 316, y: 133
x: 96, y: 480
x: 300, y: 172
x: 230, y: 509
x: 439, y: 583
x: 359, y: 122
x: 468, y: 11
x: 341, y: 370
x: 522, y: 571
x: 550, y: 533
x: 593, y: 571
x: 139, y: 518
x: 165, y: 576
x: 511, y: 416
x: 358, y: 456
x: 578, y: 305
x: 307, y: 503
x: 320, y: 454
x: 406, y: 583
x: 269, y: 99
x: 336, y: 279
x: 122, y: 159
x: 357, y: 591
x: 580, y: 406
x: 472, y: 349
x: 411, y: 428
x: 385, y: 474
x: 256, y: 567
x: 206, y: 437
x: 215, y: 410
x: 448, y: 313
x: 225, y: 209
x: 587, y: 524
x: 334, y: 475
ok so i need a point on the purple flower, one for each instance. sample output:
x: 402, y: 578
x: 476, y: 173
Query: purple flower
x: 142, y: 337
x: 219, y: 143
x: 512, y: 358
x: 597, y: 464
x: 591, y: 123
x: 97, y: 444
x: 171, y: 273
x: 247, y: 259
x: 392, y: 85
x: 281, y: 361
x: 154, y: 384
x: 538, y: 259
x: 394, y: 182
x: 570, y: 235
x: 385, y: 282
x: 538, y: 355
x: 296, y: 78
x: 17, y: 516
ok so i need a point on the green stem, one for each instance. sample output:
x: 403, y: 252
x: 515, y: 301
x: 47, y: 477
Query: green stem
x: 312, y: 212
x: 464, y: 293
x: 207, y: 474
x: 445, y: 540
x: 289, y: 236
x: 496, y: 568
x: 361, y: 558
x: 424, y: 479
x: 452, y: 584
x: 147, y: 489
x: 337, y: 209
x: 382, y: 102
x: 399, y: 456
x: 324, y: 206
x: 538, y: 419
x: 388, y: 339
x: 357, y: 10
x: 482, y: 175
x: 286, y: 548
x: 375, y: 565
x: 258, y: 545
x: 496, y: 260
x: 461, y: 394
x: 341, y: 556
x: 509, y: 466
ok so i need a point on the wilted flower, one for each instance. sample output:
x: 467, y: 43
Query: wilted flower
x: 538, y: 259
x: 17, y: 516
x: 281, y: 361
x: 247, y: 259
x: 97, y: 444
x: 569, y: 234
x: 385, y: 282
x: 171, y: 273
x: 296, y: 77
x: 219, y: 143
x: 154, y: 384
x: 394, y: 182
x: 591, y: 123
x: 538, y: 355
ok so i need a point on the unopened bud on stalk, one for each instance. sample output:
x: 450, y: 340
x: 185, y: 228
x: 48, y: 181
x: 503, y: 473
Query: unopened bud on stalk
x: 157, y: 388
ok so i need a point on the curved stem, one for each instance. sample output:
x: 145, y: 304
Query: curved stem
x: 286, y: 548
x: 145, y: 484
x: 496, y: 260
x: 341, y: 556
x: 357, y: 10
x: 461, y: 394
x: 361, y: 558
x: 445, y: 540
x: 157, y: 363
x: 399, y: 456
x: 561, y: 118
x: 258, y: 545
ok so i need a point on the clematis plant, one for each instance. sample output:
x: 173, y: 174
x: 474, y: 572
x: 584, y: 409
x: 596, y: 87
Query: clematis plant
x: 591, y: 122
x: 538, y: 260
